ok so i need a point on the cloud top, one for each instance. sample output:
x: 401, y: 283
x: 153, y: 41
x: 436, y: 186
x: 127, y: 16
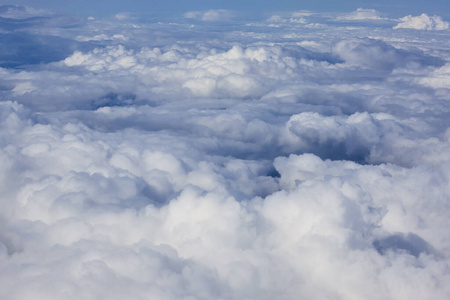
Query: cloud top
x: 422, y: 22
x: 361, y: 14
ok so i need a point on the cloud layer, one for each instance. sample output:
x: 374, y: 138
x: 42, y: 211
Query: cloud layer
x: 279, y: 159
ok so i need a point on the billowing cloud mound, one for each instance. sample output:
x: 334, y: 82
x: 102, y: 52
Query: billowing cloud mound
x: 423, y: 22
x: 361, y: 14
x: 155, y: 160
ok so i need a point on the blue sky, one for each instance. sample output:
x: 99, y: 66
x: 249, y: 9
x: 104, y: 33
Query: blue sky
x: 105, y: 8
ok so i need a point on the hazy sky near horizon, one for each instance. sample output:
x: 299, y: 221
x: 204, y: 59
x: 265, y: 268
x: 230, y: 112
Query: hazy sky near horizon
x: 105, y: 8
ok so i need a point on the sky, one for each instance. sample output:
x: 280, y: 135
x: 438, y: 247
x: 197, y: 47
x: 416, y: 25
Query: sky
x: 217, y: 153
x: 102, y: 8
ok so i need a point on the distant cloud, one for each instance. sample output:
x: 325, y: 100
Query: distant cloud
x: 213, y: 15
x: 101, y: 37
x: 423, y: 22
x: 295, y: 17
x: 276, y: 19
x: 378, y: 55
x: 298, y: 20
x: 361, y: 14
x: 21, y: 12
x: 302, y: 13
x: 122, y: 16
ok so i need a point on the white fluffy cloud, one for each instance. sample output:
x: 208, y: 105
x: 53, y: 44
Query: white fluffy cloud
x: 360, y: 14
x: 165, y: 161
x: 422, y: 22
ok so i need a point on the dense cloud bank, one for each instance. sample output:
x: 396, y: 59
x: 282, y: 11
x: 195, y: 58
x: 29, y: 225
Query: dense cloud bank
x: 297, y: 157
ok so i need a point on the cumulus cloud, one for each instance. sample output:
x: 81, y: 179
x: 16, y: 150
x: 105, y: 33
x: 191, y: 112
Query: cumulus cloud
x: 422, y: 22
x: 438, y: 79
x: 376, y: 54
x: 159, y: 160
x: 361, y: 14
x: 296, y: 18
